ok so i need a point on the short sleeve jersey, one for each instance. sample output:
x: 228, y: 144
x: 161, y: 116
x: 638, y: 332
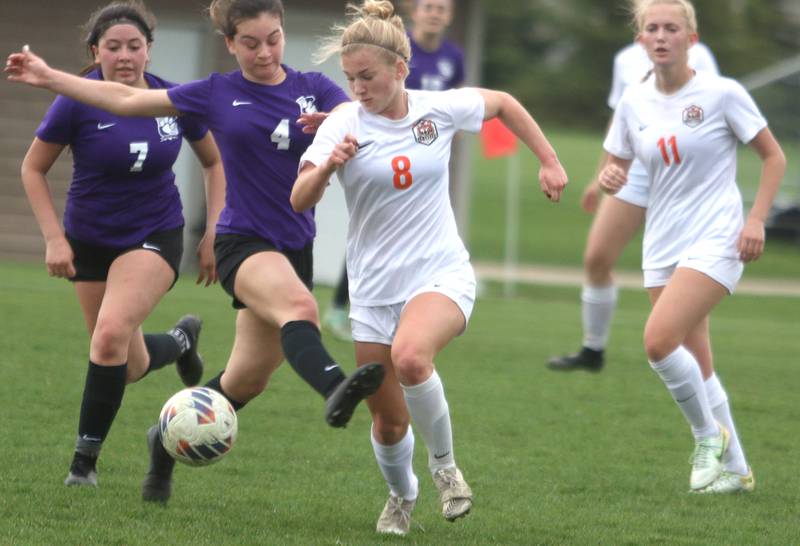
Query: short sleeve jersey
x: 261, y: 143
x: 435, y: 70
x: 687, y: 142
x: 402, y: 231
x: 631, y: 65
x: 122, y: 187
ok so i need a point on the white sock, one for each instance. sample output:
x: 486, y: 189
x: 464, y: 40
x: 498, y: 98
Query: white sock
x: 597, y: 308
x: 733, y: 459
x: 395, y: 462
x: 431, y: 416
x: 681, y: 374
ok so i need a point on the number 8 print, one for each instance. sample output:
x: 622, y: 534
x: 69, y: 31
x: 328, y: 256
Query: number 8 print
x: 401, y: 166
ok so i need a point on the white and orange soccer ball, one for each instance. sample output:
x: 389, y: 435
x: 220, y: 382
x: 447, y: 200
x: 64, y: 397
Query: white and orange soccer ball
x: 198, y: 426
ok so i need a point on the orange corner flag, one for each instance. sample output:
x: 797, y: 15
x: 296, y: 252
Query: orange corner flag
x: 497, y: 139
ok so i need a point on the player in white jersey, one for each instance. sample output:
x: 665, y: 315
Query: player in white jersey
x: 684, y: 126
x: 411, y: 284
x: 617, y: 220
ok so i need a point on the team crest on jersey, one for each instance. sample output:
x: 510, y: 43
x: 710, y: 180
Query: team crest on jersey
x: 693, y: 116
x: 425, y: 132
x: 307, y: 104
x: 446, y: 68
x: 168, y: 128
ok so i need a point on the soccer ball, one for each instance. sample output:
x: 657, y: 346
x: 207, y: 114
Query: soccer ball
x: 198, y: 426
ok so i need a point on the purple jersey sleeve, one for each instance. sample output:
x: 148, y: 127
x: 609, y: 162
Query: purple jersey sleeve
x: 57, y: 126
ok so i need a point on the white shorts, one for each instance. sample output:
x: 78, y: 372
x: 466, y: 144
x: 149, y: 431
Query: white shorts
x: 378, y: 324
x: 636, y: 191
x: 726, y: 271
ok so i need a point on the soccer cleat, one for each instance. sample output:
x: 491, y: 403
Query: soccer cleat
x: 585, y: 359
x: 396, y: 516
x: 337, y: 323
x: 189, y: 364
x: 706, y: 460
x: 730, y: 483
x: 454, y: 493
x: 345, y: 397
x: 157, y: 483
x: 82, y: 471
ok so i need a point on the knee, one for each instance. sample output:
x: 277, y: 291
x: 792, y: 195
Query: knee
x: 110, y: 341
x: 597, y: 265
x: 304, y: 307
x: 245, y: 391
x: 411, y: 364
x: 659, y: 344
x: 390, y: 429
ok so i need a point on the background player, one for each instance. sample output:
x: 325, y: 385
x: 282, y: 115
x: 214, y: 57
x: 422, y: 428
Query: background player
x: 684, y: 126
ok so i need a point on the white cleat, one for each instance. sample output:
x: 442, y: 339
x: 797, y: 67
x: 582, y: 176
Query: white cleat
x: 396, y: 516
x: 706, y: 460
x: 730, y: 483
x: 454, y: 493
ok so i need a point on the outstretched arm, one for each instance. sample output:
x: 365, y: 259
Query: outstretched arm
x: 118, y: 98
x: 499, y: 104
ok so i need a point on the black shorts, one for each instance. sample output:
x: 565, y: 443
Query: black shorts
x: 92, y: 262
x: 232, y: 249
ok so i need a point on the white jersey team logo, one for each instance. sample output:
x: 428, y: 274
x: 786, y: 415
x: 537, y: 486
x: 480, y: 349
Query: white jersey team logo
x: 693, y: 116
x: 425, y: 132
x: 168, y: 128
x: 307, y: 104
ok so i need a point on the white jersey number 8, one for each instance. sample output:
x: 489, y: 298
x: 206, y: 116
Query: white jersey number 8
x: 401, y: 166
x: 141, y: 149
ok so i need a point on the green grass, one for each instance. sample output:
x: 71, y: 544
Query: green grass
x: 552, y: 458
x: 556, y: 234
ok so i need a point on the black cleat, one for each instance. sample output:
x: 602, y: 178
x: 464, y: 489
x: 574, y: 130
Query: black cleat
x: 345, y: 397
x: 189, y: 364
x: 157, y: 484
x: 585, y: 359
x: 82, y: 471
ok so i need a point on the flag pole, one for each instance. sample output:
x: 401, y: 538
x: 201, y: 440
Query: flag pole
x: 512, y: 225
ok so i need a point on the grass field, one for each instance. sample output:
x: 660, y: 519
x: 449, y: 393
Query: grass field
x: 555, y: 234
x: 552, y: 459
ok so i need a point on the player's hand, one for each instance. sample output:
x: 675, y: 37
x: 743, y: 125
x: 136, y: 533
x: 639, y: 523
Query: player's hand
x: 343, y: 152
x: 26, y: 67
x: 552, y: 180
x: 590, y: 199
x: 311, y: 122
x: 612, y: 178
x: 59, y: 258
x: 207, y: 262
x: 751, y: 240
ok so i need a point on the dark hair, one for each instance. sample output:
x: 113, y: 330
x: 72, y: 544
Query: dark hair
x: 227, y: 14
x: 126, y: 12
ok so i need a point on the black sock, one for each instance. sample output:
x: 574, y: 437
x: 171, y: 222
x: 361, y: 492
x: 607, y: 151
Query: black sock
x: 342, y: 296
x: 302, y: 346
x: 102, y: 397
x: 163, y: 349
x: 216, y: 384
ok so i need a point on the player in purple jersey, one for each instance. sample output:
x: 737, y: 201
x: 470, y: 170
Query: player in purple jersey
x: 263, y: 248
x: 122, y: 239
x: 436, y: 64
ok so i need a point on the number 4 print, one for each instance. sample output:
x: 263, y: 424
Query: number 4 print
x: 673, y: 144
